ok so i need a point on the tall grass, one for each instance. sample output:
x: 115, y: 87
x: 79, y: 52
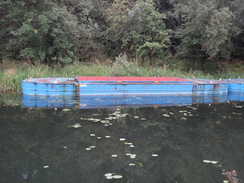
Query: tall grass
x: 122, y: 67
x: 11, y: 78
x: 13, y: 73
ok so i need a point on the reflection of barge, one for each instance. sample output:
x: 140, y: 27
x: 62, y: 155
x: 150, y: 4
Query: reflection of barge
x: 81, y: 86
x: 113, y: 101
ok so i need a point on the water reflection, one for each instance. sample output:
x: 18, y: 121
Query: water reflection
x: 42, y: 145
x: 113, y: 101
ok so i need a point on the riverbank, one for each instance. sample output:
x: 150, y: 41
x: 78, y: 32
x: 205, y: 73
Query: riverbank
x: 12, y: 73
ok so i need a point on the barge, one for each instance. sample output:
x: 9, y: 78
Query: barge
x: 88, y: 86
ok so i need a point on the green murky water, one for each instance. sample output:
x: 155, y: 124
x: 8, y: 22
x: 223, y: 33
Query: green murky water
x: 136, y: 145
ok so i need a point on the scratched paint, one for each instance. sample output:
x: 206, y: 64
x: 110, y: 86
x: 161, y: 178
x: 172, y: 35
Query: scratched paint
x: 81, y: 86
x: 49, y: 86
x: 236, y: 85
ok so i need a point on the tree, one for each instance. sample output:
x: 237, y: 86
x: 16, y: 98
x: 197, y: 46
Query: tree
x: 206, y: 29
x: 138, y: 28
x: 40, y: 31
x: 48, y: 31
x: 217, y: 42
x: 117, y: 26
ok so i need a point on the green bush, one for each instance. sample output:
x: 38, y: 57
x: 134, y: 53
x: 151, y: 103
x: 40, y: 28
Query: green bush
x: 122, y: 67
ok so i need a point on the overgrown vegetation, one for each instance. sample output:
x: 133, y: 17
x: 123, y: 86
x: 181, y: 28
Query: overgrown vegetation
x: 148, y: 31
x: 14, y: 72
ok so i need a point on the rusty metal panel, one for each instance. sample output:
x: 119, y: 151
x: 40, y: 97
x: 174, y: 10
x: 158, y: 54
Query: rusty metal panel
x: 49, y: 86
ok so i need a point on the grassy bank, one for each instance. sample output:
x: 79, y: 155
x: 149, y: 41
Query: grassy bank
x: 12, y: 73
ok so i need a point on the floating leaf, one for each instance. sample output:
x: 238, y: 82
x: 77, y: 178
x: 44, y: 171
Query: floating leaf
x: 206, y: 161
x: 209, y: 161
x: 105, y: 121
x: 238, y: 106
x: 66, y: 110
x: 140, y: 164
x: 90, y: 119
x: 109, y: 177
x: 108, y: 174
x: 117, y: 176
x: 133, y: 156
x: 77, y: 125
x: 185, y: 114
x: 182, y: 111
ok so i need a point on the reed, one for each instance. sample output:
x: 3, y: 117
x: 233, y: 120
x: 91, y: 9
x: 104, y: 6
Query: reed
x: 11, y: 77
x: 13, y: 73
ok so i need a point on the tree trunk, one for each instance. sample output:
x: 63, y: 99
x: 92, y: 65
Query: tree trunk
x: 137, y: 62
x: 28, y: 60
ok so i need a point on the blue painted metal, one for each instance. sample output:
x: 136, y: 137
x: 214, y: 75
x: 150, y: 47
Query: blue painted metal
x: 121, y: 86
x: 144, y: 89
x: 235, y: 85
x: 178, y: 86
x: 235, y: 90
x: 50, y: 86
x: 114, y: 101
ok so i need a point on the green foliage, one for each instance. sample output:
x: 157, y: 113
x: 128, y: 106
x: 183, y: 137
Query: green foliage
x: 49, y: 35
x: 218, y: 34
x: 138, y: 28
x: 60, y: 32
x: 122, y: 67
x: 154, y: 36
x: 206, y: 29
x: 45, y: 31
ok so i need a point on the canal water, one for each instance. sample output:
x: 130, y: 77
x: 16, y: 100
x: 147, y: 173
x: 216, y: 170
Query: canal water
x: 176, y: 144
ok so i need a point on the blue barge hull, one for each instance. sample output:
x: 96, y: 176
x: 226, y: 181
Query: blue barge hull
x: 83, y: 86
x: 235, y: 85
